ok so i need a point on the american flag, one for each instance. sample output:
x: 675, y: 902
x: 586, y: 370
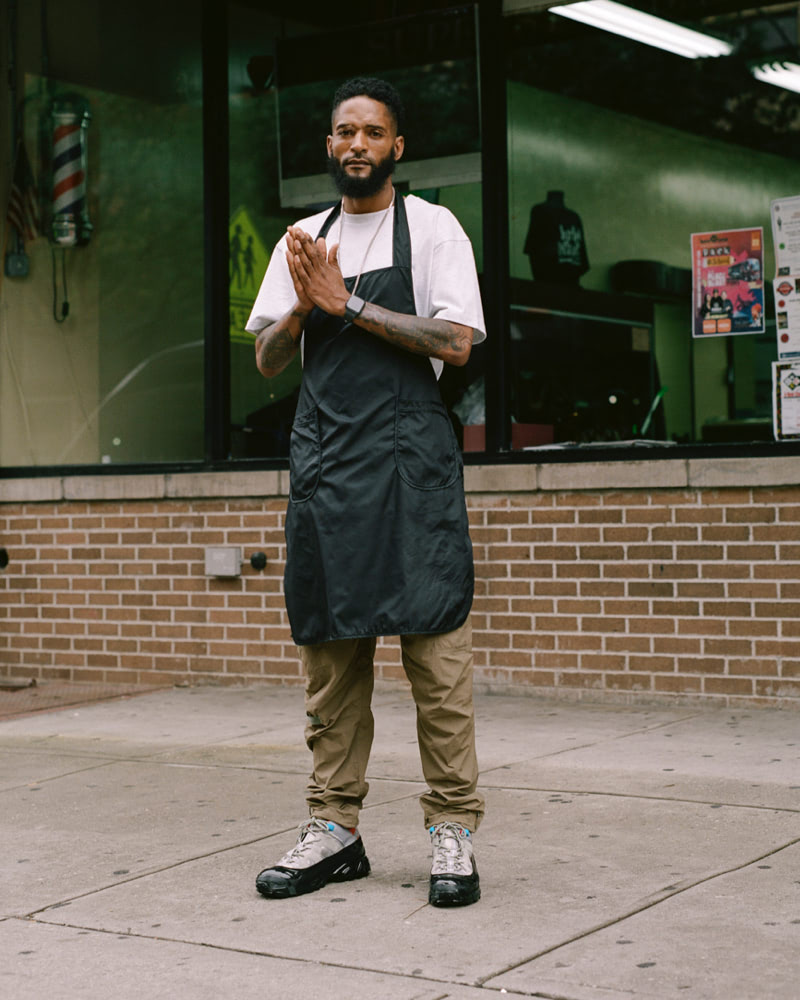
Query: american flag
x: 23, y: 204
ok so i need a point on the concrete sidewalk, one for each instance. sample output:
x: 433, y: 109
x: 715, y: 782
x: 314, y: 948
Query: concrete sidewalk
x: 627, y: 851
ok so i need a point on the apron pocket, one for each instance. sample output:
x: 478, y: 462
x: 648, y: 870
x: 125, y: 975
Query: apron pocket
x: 304, y: 456
x: 425, y: 445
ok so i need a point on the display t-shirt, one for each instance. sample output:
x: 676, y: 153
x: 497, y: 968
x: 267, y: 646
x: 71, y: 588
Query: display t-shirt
x: 555, y: 244
x: 442, y: 264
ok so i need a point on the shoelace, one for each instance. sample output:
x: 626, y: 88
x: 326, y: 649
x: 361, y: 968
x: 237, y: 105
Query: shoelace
x: 450, y: 854
x: 308, y: 836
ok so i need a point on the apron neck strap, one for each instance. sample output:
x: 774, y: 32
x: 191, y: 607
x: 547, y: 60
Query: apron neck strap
x: 333, y: 215
x: 401, y: 238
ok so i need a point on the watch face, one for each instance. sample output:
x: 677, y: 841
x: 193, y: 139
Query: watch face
x: 353, y: 307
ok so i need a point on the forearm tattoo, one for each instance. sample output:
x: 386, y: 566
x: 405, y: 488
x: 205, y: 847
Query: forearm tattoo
x: 432, y: 337
x: 277, y: 344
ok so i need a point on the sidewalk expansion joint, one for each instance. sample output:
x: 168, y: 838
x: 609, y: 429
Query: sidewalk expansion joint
x: 33, y: 914
x: 57, y: 777
x: 662, y: 897
x: 640, y: 795
x: 598, y: 742
x: 461, y: 984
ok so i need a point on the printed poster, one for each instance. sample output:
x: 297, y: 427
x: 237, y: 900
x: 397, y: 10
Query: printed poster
x: 785, y: 214
x: 786, y: 400
x: 728, y: 282
x: 787, y: 315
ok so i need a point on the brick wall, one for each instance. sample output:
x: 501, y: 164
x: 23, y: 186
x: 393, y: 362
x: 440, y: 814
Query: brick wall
x: 679, y: 589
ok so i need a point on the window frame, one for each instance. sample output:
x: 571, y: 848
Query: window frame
x: 496, y: 287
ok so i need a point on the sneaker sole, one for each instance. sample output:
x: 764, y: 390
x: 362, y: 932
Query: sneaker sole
x: 277, y: 887
x: 448, y: 894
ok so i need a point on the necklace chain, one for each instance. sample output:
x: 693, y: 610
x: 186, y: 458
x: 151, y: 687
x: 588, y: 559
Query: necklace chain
x: 369, y: 245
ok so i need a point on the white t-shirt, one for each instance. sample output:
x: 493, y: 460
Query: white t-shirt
x: 442, y: 264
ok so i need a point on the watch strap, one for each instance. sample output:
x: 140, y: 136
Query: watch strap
x: 353, y: 307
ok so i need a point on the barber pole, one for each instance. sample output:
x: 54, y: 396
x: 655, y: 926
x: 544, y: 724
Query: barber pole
x: 70, y: 120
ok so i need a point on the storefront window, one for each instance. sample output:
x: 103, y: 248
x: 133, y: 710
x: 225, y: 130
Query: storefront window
x: 282, y: 77
x: 618, y: 152
x: 102, y: 317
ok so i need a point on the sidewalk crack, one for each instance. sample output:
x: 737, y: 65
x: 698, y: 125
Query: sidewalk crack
x: 660, y: 897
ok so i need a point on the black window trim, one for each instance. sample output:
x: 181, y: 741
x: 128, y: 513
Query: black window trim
x: 496, y: 290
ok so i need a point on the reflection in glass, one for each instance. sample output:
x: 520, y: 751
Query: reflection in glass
x: 103, y: 342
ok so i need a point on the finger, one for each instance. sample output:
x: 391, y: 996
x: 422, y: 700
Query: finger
x: 297, y: 241
x: 296, y: 283
x: 298, y: 270
x: 293, y: 240
x: 302, y: 266
x: 310, y: 253
x: 296, y: 249
x: 300, y: 239
x: 292, y: 270
x: 333, y: 255
x: 306, y: 248
x: 310, y: 246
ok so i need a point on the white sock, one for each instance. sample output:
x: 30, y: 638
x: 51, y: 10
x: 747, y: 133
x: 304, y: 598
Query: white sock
x: 343, y: 833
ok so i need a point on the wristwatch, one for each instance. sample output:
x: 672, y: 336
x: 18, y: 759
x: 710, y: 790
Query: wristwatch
x: 353, y: 307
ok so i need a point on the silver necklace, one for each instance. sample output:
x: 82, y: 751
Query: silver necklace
x: 369, y: 245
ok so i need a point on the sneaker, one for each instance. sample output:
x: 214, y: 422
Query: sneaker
x: 454, y: 875
x: 317, y: 858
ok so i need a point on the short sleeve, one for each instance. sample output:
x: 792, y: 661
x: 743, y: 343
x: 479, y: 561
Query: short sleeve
x: 454, y: 291
x: 276, y: 296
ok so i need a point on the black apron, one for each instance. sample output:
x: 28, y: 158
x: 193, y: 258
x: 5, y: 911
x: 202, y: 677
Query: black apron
x: 376, y: 531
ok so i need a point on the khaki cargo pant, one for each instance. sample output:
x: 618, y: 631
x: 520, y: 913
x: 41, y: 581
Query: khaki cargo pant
x: 339, y: 730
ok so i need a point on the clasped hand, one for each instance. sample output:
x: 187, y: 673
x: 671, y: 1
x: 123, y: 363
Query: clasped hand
x: 315, y: 272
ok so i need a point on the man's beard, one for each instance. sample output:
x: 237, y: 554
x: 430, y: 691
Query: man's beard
x: 361, y: 187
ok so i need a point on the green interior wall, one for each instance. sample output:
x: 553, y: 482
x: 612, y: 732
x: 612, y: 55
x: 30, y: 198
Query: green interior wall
x: 641, y: 190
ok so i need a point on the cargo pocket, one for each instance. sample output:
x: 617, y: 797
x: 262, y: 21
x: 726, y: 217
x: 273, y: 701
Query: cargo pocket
x: 425, y: 448
x: 304, y: 456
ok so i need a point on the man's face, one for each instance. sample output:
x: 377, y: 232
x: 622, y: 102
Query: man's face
x: 363, y: 147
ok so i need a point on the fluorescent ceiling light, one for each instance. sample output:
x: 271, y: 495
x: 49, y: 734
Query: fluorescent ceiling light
x: 782, y: 74
x: 641, y: 27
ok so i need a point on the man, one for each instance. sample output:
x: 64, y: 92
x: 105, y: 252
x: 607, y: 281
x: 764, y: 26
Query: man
x: 382, y: 291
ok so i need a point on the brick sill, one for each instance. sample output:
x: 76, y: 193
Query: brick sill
x: 679, y: 473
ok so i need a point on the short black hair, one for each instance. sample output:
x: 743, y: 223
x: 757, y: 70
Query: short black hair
x: 377, y: 90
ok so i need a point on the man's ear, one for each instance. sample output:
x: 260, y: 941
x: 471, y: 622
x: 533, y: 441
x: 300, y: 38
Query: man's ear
x: 329, y: 144
x: 399, y: 146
